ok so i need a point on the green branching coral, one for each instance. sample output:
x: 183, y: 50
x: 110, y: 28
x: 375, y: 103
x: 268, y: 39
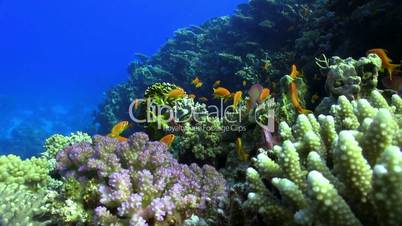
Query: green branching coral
x: 32, y: 172
x: 344, y: 169
x: 203, y: 139
x: 69, y: 207
x: 158, y: 91
x: 57, y: 142
x: 388, y: 172
x: 20, y: 206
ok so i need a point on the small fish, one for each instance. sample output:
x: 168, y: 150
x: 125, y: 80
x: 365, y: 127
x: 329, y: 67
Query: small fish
x: 314, y: 98
x: 118, y: 129
x: 221, y: 92
x: 244, y: 82
x: 203, y: 99
x: 265, y: 65
x: 121, y: 139
x: 237, y: 98
x: 168, y: 139
x: 192, y: 96
x: 176, y: 93
x: 254, y: 93
x: 294, y: 94
x: 216, y: 83
x: 294, y: 72
x: 263, y: 95
x: 395, y: 84
x: 197, y: 82
x: 386, y: 61
x: 136, y: 104
x: 241, y: 153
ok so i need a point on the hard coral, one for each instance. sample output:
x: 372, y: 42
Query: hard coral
x: 343, y: 169
x: 202, y: 138
x: 348, y: 77
x: 20, y: 206
x: 57, y: 142
x: 32, y: 172
x: 140, y: 183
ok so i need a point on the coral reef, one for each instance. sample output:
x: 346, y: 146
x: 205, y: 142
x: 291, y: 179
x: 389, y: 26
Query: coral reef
x: 203, y: 138
x: 57, y: 142
x: 231, y: 49
x: 138, y: 182
x: 32, y: 172
x: 334, y: 170
x: 20, y: 206
x: 255, y: 46
x: 339, y: 167
x: 25, y: 191
x: 348, y: 77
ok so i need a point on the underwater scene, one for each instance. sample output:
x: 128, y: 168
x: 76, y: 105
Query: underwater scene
x: 201, y: 113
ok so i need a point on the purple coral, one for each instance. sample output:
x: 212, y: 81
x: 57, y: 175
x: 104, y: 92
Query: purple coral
x: 141, y: 180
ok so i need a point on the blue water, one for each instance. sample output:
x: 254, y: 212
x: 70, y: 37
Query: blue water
x: 57, y: 58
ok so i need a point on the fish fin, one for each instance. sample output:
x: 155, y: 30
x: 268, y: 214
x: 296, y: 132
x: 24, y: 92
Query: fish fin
x: 121, y: 139
x: 393, y: 67
x: 305, y: 111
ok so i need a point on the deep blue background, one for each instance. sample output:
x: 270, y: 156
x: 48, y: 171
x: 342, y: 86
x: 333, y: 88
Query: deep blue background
x: 57, y: 57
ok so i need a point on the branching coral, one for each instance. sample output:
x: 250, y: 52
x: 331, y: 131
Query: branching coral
x: 139, y: 182
x: 343, y: 169
x: 20, y: 206
x: 32, y: 172
x: 203, y: 138
x: 158, y: 91
x: 348, y: 77
x: 57, y: 142
x: 26, y: 191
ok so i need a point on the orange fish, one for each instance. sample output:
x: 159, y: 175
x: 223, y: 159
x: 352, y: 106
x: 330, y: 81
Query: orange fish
x: 386, y: 61
x: 168, y: 139
x: 221, y: 92
x: 216, y: 83
x: 264, y: 94
x: 241, y: 153
x: 395, y: 84
x: 197, y: 82
x: 265, y: 65
x: 121, y: 139
x: 176, y: 93
x: 237, y: 98
x: 136, y: 104
x: 294, y: 94
x: 118, y: 129
x: 294, y: 72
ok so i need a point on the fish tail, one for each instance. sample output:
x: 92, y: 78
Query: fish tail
x: 305, y: 111
x: 392, y: 68
x: 121, y: 139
